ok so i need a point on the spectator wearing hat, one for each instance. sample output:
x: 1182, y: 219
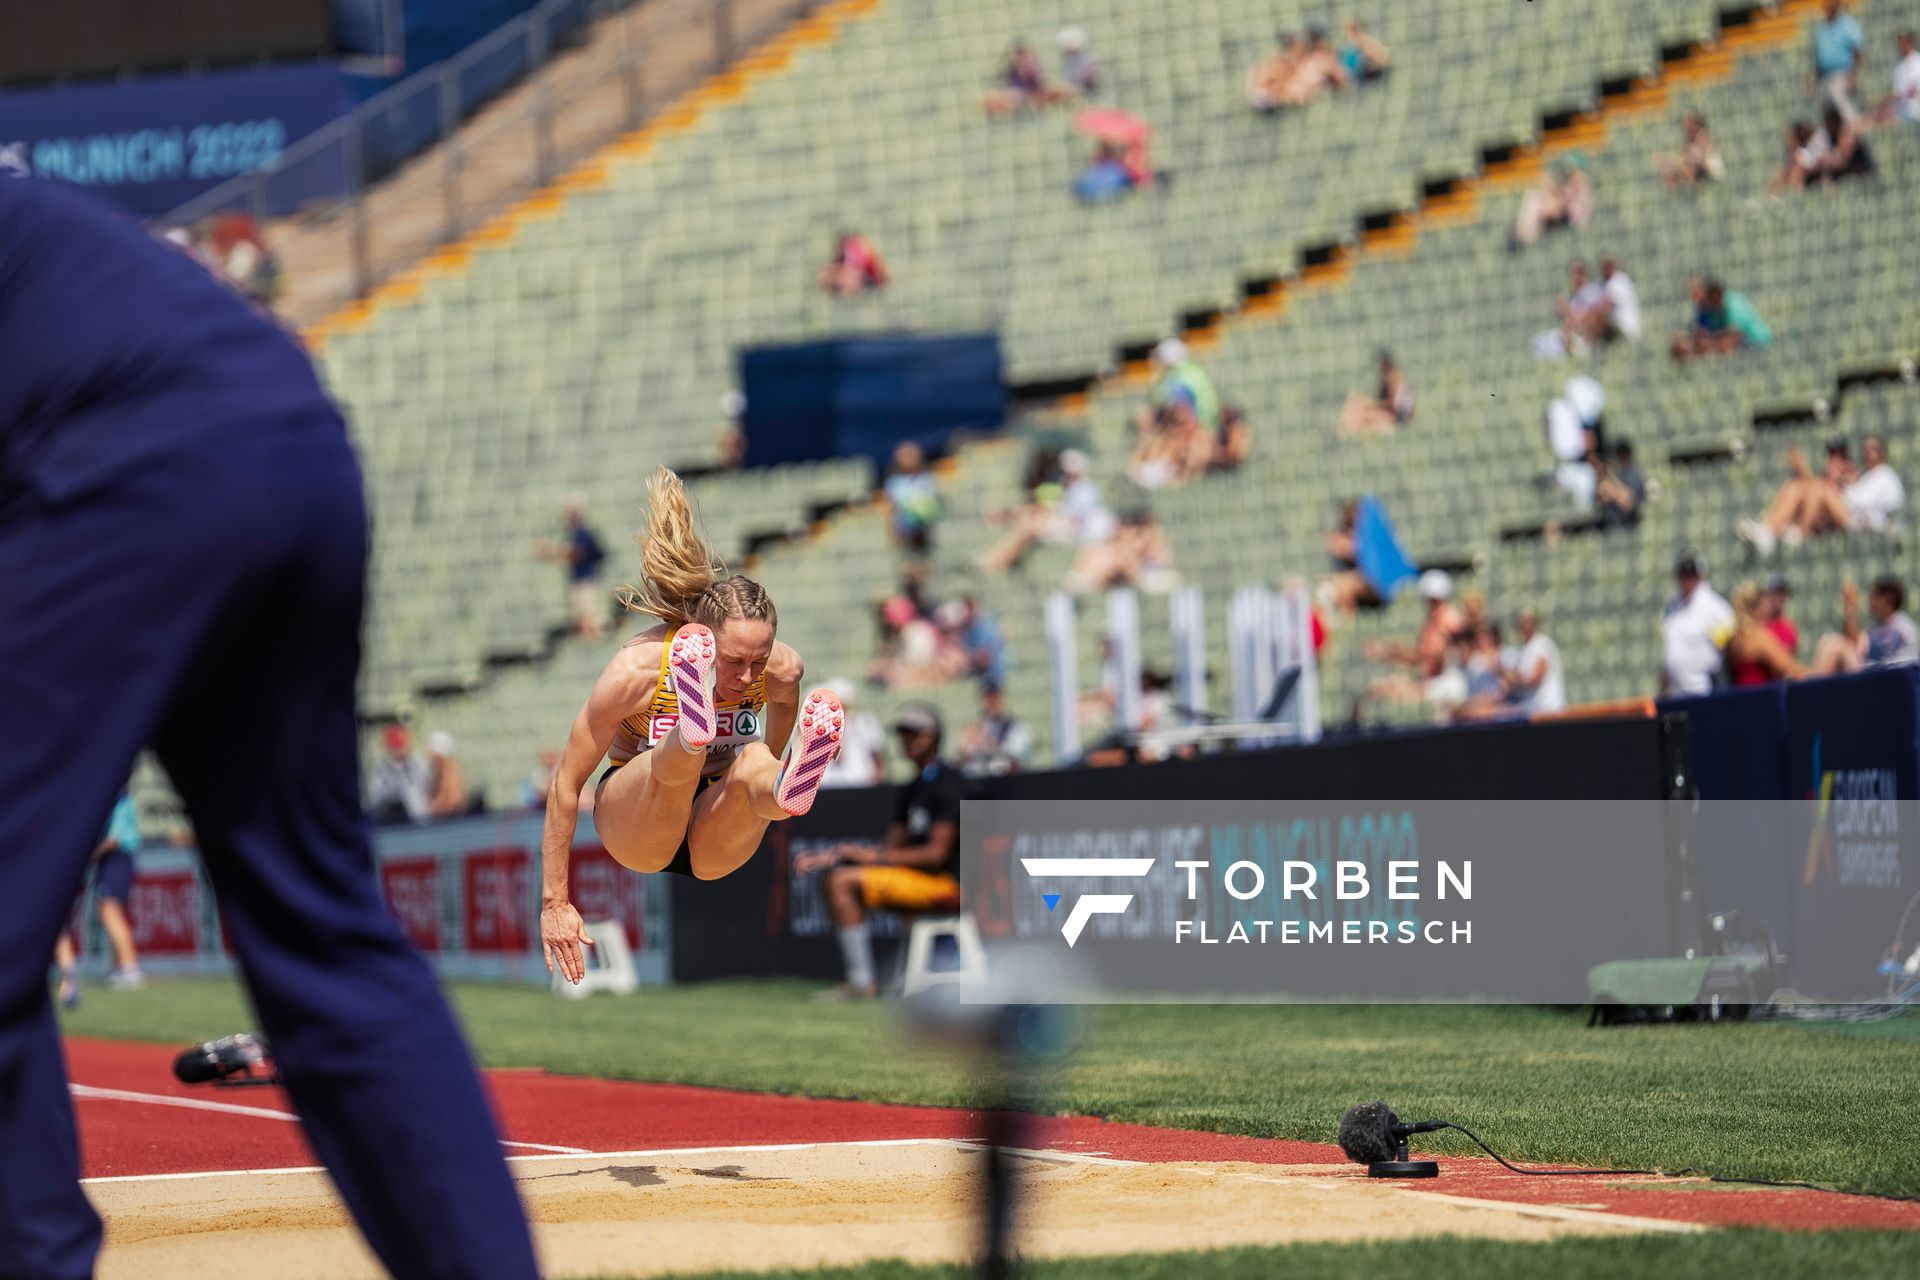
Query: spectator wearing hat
x: 1755, y: 652
x: 447, y: 793
x: 1078, y: 66
x: 1839, y: 501
x: 1693, y: 631
x: 1426, y: 658
x: 912, y: 869
x: 397, y: 791
x: 1891, y: 639
x: 1180, y: 381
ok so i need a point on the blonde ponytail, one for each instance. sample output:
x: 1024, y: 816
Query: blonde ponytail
x: 680, y: 581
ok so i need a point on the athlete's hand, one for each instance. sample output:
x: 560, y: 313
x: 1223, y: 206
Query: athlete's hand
x: 562, y: 934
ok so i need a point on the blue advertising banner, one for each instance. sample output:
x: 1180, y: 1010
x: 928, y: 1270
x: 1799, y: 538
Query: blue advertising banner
x: 152, y: 144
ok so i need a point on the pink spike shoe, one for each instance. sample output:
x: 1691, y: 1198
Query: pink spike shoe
x: 817, y: 741
x: 690, y: 667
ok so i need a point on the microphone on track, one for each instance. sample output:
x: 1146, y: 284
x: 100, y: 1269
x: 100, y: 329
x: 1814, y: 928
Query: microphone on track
x: 1371, y: 1134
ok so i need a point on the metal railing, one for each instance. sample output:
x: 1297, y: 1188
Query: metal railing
x: 430, y: 158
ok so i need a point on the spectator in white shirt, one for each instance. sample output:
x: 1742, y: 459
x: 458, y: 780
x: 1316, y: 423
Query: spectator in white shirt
x: 1064, y: 508
x: 1694, y: 631
x: 1537, y: 683
x: 1584, y: 297
x: 1574, y: 426
x: 1618, y: 316
x: 1838, y: 502
x: 1904, y: 103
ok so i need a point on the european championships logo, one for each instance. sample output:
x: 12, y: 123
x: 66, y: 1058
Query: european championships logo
x: 1088, y: 905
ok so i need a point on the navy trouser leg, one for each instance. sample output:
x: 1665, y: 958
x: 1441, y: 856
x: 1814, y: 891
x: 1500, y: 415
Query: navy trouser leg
x: 216, y: 605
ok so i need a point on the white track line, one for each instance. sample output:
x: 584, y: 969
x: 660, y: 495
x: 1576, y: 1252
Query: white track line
x: 569, y: 1155
x: 95, y: 1094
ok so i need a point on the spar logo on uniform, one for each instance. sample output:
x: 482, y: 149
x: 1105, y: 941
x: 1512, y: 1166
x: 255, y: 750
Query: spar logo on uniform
x: 1087, y: 905
x: 735, y: 725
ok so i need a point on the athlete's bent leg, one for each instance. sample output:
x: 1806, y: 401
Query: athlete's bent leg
x: 644, y: 807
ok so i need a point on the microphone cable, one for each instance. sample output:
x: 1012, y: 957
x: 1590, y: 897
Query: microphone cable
x: 1710, y: 1175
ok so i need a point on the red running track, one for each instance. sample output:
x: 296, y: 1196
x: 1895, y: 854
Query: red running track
x: 540, y: 1113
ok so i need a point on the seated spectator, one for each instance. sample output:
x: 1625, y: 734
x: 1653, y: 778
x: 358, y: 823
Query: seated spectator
x: 1370, y: 566
x: 978, y: 641
x: 730, y: 448
x: 397, y: 791
x: 448, y: 795
x: 1269, y: 76
x: 1563, y: 197
x: 909, y: 646
x: 1173, y: 449
x: 1693, y: 630
x: 1617, y: 317
x: 1363, y: 57
x: 1838, y: 49
x: 1485, y: 668
x: 1389, y: 407
x: 1902, y: 106
x: 535, y: 786
x: 1804, y: 161
x: 1725, y: 321
x: 1579, y: 310
x: 1316, y: 71
x: 1108, y: 176
x: 1078, y: 66
x: 1137, y: 555
x: 1065, y: 510
x: 1755, y: 653
x: 1619, y: 488
x: 1837, y: 502
x: 1698, y: 159
x: 1235, y: 441
x: 1891, y: 640
x: 1022, y: 84
x: 913, y: 499
x: 240, y: 253
x: 1432, y: 678
x: 1845, y: 153
x: 856, y: 267
x: 996, y: 744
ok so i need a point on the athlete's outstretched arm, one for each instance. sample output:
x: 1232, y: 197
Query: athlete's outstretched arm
x: 784, y: 673
x: 617, y: 692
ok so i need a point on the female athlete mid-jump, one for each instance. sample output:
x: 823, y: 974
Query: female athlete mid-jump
x: 679, y: 713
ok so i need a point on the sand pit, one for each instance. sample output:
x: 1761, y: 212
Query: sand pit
x: 665, y: 1212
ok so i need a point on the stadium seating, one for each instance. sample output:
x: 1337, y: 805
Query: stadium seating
x: 597, y: 343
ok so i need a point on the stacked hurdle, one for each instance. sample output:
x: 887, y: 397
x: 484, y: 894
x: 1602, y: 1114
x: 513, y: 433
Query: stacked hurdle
x: 1275, y: 694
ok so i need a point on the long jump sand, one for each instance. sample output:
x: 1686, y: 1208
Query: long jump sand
x: 675, y: 1211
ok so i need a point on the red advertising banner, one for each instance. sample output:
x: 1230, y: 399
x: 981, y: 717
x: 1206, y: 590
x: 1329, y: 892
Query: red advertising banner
x: 604, y: 890
x: 413, y: 892
x: 165, y: 912
x: 499, y: 901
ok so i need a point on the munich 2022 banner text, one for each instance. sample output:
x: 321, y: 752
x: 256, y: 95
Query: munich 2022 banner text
x: 1520, y: 901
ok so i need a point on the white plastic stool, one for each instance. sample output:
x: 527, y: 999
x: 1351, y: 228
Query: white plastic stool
x: 931, y: 965
x: 609, y: 964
